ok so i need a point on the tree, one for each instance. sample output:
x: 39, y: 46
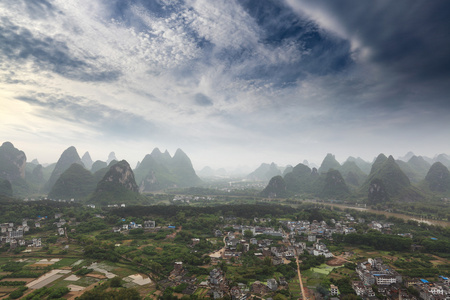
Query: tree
x: 248, y: 234
x: 115, y: 282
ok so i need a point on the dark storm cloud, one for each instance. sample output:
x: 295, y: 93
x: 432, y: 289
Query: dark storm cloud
x: 411, y: 37
x: 321, y: 53
x: 401, y: 50
x: 288, y: 47
x: 20, y: 45
x: 77, y: 110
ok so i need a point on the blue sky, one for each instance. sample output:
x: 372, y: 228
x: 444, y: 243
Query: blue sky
x: 231, y: 82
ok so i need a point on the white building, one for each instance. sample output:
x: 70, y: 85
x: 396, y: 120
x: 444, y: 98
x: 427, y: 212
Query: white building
x: 334, y: 291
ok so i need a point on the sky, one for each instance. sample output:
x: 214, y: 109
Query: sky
x: 230, y: 82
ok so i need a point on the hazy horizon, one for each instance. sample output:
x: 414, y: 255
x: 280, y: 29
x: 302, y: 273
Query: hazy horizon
x: 230, y: 168
x: 231, y: 83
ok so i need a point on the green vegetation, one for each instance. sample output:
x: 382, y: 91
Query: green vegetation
x: 18, y: 293
x: 12, y: 165
x: 83, y: 271
x: 12, y: 283
x: 47, y: 293
x: 68, y: 157
x: 117, y: 186
x: 334, y: 185
x: 376, y: 240
x: 329, y: 163
x: 353, y: 175
x: 116, y: 294
x: 438, y: 179
x: 5, y: 188
x: 159, y: 171
x: 309, y: 261
x: 275, y: 188
x: 153, y: 251
x: 76, y: 182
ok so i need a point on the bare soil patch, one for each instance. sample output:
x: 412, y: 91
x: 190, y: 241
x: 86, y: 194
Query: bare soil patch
x: 98, y: 276
x: 336, y: 262
x: 19, y: 279
x: 41, y: 265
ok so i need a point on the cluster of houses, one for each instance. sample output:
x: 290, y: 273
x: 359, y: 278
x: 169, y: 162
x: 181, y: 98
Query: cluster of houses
x: 14, y: 235
x: 426, y: 290
x: 114, y: 205
x: 391, y: 285
x: 132, y: 225
x: 322, y: 229
x: 311, y: 231
x: 51, y: 199
x: 432, y: 290
x: 374, y: 272
x: 188, y: 199
x: 219, y: 287
x: 217, y: 284
x: 344, y: 226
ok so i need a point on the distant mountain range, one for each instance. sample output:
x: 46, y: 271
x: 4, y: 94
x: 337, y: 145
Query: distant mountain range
x: 265, y: 171
x: 72, y: 177
x: 159, y: 171
x: 385, y: 179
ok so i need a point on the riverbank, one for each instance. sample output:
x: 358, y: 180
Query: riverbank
x: 387, y: 214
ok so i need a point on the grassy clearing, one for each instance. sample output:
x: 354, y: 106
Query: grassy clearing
x: 342, y: 272
x: 146, y: 291
x: 323, y: 269
x: 294, y: 288
x: 315, y: 276
x: 61, y: 283
x: 201, y: 293
x: 4, y: 260
x: 65, y: 262
x: 123, y: 272
x: 86, y: 281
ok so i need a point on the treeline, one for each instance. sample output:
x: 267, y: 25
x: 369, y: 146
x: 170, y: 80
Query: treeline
x: 436, y: 246
x: 240, y: 211
x: 17, y: 271
x: 433, y: 208
x: 426, y: 272
x: 129, y: 294
x: 12, y: 283
x: 17, y: 210
x: 310, y: 261
x: 96, y: 252
x: 194, y: 191
x: 376, y: 240
x: 47, y: 293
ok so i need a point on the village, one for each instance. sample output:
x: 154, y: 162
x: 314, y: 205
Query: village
x: 272, y: 245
